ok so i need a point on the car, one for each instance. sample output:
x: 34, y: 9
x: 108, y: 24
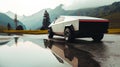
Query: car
x: 79, y: 26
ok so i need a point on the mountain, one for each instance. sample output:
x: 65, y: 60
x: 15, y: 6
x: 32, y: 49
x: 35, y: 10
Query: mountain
x: 35, y: 21
x: 109, y: 10
x: 101, y: 11
x: 4, y: 20
x: 12, y: 15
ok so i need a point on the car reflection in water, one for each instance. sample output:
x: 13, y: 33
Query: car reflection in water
x: 76, y: 57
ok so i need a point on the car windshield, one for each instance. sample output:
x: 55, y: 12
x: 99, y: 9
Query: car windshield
x: 59, y: 19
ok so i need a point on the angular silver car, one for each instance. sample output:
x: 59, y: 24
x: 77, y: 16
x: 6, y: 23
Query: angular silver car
x: 79, y: 26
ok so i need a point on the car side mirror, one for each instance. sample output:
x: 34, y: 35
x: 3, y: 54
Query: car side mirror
x: 54, y: 20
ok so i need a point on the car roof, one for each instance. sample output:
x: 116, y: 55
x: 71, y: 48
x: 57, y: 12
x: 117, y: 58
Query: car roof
x: 69, y: 18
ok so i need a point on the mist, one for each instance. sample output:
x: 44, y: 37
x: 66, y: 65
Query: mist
x: 77, y: 4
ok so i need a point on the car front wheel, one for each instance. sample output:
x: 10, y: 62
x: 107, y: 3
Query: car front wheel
x: 68, y: 34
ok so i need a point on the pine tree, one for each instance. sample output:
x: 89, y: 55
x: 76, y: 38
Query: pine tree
x: 20, y: 27
x: 16, y: 21
x: 9, y: 26
x: 46, y: 21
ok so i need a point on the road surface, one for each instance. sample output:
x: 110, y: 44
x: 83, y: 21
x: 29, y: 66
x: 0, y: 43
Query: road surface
x: 82, y: 52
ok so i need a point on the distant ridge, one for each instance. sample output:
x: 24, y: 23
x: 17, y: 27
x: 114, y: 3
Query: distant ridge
x: 35, y: 21
x: 4, y: 20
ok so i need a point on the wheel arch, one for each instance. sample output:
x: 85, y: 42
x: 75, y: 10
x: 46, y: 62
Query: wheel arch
x: 51, y: 34
x: 50, y: 28
x: 71, y: 36
x: 70, y: 26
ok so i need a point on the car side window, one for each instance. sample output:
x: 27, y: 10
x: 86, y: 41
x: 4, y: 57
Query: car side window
x: 59, y: 20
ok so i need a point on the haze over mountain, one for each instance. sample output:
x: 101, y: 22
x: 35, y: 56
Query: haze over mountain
x: 12, y: 15
x: 35, y: 21
x: 4, y: 20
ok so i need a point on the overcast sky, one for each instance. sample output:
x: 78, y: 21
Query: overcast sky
x: 28, y: 7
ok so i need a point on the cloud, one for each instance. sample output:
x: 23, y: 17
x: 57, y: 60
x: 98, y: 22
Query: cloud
x: 29, y: 7
x: 88, y: 3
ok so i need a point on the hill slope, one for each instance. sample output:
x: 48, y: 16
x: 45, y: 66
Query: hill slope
x: 114, y: 20
x: 4, y: 20
x: 34, y: 21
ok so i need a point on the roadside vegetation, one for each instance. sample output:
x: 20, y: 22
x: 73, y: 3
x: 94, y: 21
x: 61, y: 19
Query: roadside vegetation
x: 113, y: 31
x: 110, y: 31
x: 25, y: 31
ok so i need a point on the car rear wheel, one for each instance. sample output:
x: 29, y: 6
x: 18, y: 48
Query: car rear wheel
x: 68, y: 34
x: 98, y: 37
x: 50, y: 33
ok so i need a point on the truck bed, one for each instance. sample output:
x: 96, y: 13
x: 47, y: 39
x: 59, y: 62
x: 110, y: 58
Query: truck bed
x: 95, y: 26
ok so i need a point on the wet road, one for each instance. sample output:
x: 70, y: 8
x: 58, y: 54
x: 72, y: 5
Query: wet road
x: 27, y: 51
x: 83, y: 52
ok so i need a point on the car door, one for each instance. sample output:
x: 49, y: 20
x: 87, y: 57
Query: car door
x: 57, y: 26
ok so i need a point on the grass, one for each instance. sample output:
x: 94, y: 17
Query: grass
x: 26, y: 31
x: 113, y: 31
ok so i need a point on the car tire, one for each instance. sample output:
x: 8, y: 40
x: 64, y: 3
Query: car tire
x: 50, y: 32
x: 68, y: 34
x: 97, y: 37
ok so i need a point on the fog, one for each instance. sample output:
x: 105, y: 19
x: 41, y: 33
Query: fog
x: 88, y: 3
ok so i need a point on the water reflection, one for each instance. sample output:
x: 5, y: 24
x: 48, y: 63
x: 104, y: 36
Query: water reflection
x: 84, y: 58
x: 16, y: 40
x: 2, y: 43
x: 4, y: 40
x: 68, y: 51
x: 48, y: 43
x: 29, y: 53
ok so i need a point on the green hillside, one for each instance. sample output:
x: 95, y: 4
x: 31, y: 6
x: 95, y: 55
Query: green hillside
x: 114, y: 20
x: 5, y: 20
x: 2, y: 28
